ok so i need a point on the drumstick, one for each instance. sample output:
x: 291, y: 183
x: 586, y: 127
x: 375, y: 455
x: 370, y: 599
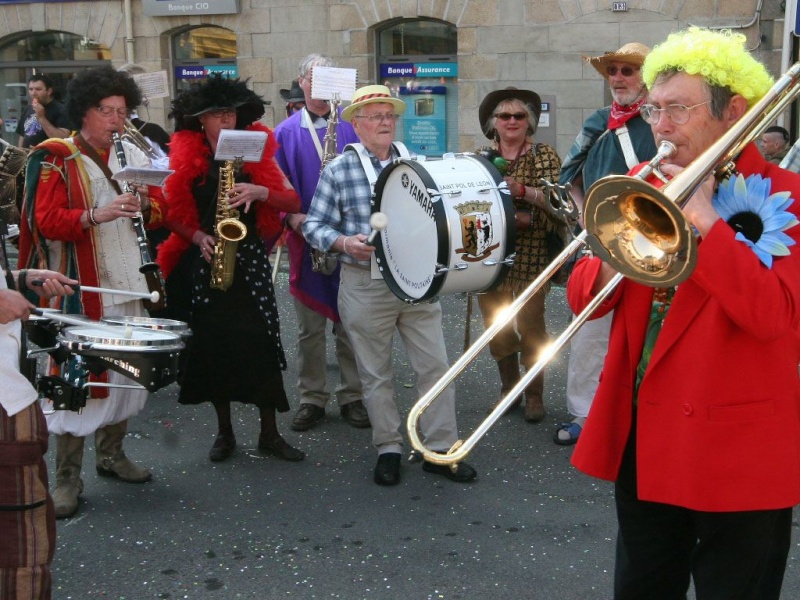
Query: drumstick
x: 127, y: 332
x: 378, y: 221
x: 152, y: 296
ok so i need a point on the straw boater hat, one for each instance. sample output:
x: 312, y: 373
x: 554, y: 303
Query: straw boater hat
x: 293, y: 95
x: 370, y: 94
x: 633, y: 54
x: 494, y: 98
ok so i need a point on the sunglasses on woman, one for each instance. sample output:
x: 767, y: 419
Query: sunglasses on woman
x: 519, y: 116
x: 626, y: 71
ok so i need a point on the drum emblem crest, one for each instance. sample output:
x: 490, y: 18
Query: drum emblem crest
x: 477, y: 230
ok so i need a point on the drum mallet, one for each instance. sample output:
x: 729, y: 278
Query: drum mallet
x: 154, y: 297
x: 378, y: 221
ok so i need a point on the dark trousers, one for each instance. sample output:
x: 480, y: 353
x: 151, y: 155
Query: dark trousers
x: 729, y: 555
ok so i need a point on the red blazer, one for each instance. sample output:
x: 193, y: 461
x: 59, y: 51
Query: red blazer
x: 718, y: 425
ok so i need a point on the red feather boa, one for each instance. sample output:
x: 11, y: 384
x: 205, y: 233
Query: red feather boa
x: 189, y: 156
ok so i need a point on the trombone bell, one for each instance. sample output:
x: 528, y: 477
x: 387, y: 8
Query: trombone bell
x: 639, y: 231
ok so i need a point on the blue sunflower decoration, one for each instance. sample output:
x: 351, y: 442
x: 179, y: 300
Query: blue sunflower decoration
x: 758, y: 217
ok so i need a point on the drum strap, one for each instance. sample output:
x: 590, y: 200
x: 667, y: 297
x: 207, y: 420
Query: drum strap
x: 366, y: 161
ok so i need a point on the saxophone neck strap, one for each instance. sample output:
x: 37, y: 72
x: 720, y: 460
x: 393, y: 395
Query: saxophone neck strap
x: 88, y: 151
x: 312, y: 131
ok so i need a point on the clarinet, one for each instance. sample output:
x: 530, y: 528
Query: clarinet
x: 149, y: 269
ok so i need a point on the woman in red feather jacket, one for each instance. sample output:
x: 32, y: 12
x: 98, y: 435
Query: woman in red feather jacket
x: 235, y: 352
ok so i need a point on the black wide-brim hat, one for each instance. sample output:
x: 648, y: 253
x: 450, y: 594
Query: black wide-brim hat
x: 295, y: 94
x: 494, y: 98
x: 216, y: 93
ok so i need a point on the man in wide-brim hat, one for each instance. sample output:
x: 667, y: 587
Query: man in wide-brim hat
x: 611, y: 141
x: 632, y: 53
x: 295, y: 98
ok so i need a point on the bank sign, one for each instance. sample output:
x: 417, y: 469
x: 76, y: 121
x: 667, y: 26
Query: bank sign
x: 172, y: 8
x: 419, y: 70
x: 201, y: 72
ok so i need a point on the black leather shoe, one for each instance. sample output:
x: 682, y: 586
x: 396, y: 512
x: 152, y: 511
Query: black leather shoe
x: 223, y: 448
x: 307, y: 416
x: 356, y: 414
x: 280, y: 448
x: 387, y: 471
x: 463, y: 473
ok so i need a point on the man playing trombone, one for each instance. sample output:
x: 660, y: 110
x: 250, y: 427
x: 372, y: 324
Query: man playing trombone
x: 696, y: 415
x: 78, y: 222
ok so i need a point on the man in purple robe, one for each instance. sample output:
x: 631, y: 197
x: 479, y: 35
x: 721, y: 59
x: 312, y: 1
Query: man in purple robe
x: 301, y: 141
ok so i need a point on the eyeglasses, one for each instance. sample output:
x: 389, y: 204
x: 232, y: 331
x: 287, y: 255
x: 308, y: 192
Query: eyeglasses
x: 519, y: 116
x: 379, y: 118
x: 222, y: 112
x: 626, y: 71
x: 678, y: 113
x: 107, y: 111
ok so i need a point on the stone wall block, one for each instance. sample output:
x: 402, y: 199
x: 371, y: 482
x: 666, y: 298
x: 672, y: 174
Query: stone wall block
x: 479, y: 12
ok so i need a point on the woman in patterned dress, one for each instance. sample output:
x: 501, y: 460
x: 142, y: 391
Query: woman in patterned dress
x: 509, y: 118
x: 235, y: 352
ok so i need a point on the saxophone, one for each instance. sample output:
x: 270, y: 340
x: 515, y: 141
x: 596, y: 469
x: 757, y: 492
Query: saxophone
x: 230, y: 231
x: 321, y: 261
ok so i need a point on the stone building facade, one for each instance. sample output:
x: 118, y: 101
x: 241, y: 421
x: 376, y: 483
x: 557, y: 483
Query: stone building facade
x: 535, y: 44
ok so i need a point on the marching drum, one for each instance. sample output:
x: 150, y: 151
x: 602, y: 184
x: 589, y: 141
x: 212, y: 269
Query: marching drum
x: 157, y: 324
x: 450, y: 229
x: 147, y: 356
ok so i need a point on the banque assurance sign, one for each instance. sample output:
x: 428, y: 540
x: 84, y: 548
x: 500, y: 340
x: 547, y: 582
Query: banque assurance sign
x: 171, y: 8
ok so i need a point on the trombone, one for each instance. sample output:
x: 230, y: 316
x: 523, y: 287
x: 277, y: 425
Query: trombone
x: 636, y: 228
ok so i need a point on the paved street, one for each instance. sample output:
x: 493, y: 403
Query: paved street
x: 259, y: 528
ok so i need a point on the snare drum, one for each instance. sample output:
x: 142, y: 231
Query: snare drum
x: 450, y: 229
x: 171, y: 325
x: 147, y: 356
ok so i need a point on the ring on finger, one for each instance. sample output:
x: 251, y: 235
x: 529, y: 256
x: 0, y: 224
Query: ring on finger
x: 123, y: 207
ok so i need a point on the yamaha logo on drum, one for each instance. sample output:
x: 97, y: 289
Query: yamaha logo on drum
x: 418, y: 194
x: 477, y: 230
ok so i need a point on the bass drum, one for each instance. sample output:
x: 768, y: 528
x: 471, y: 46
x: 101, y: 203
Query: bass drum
x: 450, y: 229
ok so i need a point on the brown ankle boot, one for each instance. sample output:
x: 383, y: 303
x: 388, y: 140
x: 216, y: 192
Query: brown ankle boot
x: 111, y: 459
x: 69, y: 458
x: 509, y: 377
x: 534, y: 403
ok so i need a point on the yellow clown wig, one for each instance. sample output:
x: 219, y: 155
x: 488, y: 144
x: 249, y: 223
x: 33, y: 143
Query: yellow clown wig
x: 720, y: 57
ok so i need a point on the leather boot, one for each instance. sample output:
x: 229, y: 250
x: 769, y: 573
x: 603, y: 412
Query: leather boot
x: 534, y: 403
x: 509, y: 377
x: 69, y: 458
x: 111, y: 459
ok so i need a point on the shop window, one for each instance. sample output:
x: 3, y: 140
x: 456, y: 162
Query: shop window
x: 417, y: 60
x: 201, y: 51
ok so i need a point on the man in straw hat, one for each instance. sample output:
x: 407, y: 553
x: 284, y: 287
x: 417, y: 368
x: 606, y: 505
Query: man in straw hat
x: 696, y: 415
x: 613, y: 139
x: 338, y: 221
x: 301, y: 141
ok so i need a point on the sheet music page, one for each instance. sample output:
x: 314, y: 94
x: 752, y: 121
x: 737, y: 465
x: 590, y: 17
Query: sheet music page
x: 143, y: 175
x: 327, y: 82
x: 153, y: 85
x: 246, y: 145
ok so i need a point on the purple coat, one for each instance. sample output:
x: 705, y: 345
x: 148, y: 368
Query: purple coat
x: 298, y: 157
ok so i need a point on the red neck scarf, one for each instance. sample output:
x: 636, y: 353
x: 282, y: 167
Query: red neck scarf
x: 622, y: 114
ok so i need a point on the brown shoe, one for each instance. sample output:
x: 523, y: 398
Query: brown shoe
x: 355, y: 413
x: 279, y: 447
x: 307, y: 416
